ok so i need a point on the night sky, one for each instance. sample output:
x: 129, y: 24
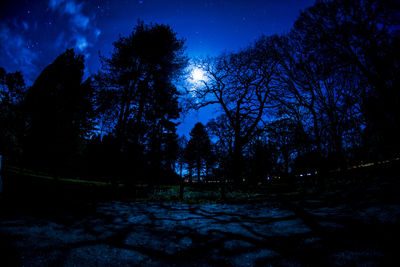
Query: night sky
x: 34, y: 33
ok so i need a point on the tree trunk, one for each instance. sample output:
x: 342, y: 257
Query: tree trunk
x: 339, y: 150
x: 181, y: 189
x: 181, y: 168
x: 237, y: 162
x: 198, y: 171
x: 316, y: 131
x: 1, y: 181
x: 190, y: 173
x: 286, y: 158
x: 139, y: 116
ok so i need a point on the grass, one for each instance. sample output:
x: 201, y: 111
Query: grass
x: 24, y: 182
x: 29, y: 173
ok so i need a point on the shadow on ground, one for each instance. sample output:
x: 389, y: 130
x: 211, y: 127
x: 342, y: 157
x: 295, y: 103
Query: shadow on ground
x: 292, y: 233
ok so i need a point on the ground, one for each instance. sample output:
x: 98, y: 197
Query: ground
x: 313, y: 232
x: 350, y: 219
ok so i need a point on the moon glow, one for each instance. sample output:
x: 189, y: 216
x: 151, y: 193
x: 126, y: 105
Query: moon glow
x: 198, y: 75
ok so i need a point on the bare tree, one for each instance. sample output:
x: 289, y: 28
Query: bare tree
x: 361, y: 37
x: 242, y: 84
x: 330, y: 95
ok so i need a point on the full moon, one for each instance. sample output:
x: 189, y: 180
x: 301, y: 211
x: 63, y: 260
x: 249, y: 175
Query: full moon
x: 198, y: 75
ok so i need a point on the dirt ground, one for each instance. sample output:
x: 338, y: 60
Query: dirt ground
x: 293, y: 233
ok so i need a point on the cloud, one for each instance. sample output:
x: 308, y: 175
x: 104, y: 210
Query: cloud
x: 79, y: 21
x: 59, y: 43
x: 55, y: 3
x: 16, y: 53
x: 97, y: 32
x: 25, y: 25
x: 72, y: 9
x: 81, y: 43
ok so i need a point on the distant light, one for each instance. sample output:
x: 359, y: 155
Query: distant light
x: 269, y: 178
x: 309, y: 174
x: 301, y: 175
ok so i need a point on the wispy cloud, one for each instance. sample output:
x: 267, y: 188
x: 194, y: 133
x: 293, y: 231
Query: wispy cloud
x: 60, y: 41
x: 25, y: 25
x: 81, y: 43
x: 72, y: 8
x: 80, y: 23
x: 97, y: 33
x: 17, y: 53
x: 55, y: 3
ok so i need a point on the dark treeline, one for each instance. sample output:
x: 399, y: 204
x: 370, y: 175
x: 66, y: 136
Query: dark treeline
x: 118, y: 125
x: 324, y: 96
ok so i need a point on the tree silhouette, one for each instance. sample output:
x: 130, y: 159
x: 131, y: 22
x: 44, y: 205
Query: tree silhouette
x: 317, y: 97
x: 198, y: 149
x: 12, y: 126
x: 220, y: 130
x: 262, y: 160
x: 182, y: 143
x: 287, y: 137
x: 362, y: 38
x: 59, y: 110
x: 136, y: 88
x: 242, y: 84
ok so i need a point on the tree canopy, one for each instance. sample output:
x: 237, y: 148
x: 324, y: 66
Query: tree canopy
x: 58, y: 112
x: 137, y: 86
x: 198, y: 150
x: 323, y: 96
